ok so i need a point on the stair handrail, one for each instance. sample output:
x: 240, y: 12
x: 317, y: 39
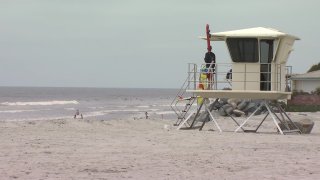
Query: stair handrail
x: 190, y: 78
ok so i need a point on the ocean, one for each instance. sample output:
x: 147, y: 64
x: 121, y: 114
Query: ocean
x: 46, y: 103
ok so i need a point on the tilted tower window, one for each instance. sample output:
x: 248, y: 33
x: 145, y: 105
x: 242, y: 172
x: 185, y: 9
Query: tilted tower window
x: 243, y: 49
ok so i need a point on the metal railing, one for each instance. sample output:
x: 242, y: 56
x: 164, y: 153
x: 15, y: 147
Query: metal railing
x: 269, y: 77
x: 179, y: 105
x: 220, y: 76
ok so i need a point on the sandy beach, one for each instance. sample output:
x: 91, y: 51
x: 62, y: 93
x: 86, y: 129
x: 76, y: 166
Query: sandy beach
x: 154, y: 149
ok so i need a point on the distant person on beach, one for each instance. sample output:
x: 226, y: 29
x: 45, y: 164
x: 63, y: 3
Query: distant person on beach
x: 78, y: 114
x: 146, y: 113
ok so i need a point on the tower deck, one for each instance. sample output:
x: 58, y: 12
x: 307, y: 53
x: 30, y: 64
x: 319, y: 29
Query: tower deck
x: 241, y: 94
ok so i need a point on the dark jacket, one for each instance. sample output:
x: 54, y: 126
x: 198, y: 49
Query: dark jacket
x: 210, y: 57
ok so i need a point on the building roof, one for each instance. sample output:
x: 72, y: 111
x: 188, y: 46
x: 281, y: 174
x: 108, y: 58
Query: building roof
x: 261, y: 32
x: 314, y: 75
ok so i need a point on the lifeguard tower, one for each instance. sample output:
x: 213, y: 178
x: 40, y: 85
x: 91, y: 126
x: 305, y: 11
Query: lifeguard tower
x: 259, y: 71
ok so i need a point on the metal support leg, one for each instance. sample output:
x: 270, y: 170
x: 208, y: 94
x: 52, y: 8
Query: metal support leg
x: 181, y: 124
x: 284, y: 122
x: 177, y: 122
x: 236, y: 122
x: 203, y: 123
x: 212, y: 118
x: 207, y: 117
x: 248, y: 118
x: 262, y: 122
x: 274, y: 119
x: 281, y: 120
x: 195, y: 117
x: 284, y: 112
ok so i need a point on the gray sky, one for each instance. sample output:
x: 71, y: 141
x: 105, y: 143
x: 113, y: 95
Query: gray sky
x: 135, y: 43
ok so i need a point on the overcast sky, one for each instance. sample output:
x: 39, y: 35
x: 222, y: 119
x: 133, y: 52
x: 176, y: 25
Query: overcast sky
x: 135, y: 43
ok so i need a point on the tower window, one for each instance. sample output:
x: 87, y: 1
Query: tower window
x: 243, y: 49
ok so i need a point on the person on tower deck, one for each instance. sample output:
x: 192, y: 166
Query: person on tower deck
x: 210, y: 60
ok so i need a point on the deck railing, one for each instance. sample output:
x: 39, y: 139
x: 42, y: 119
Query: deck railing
x: 270, y: 77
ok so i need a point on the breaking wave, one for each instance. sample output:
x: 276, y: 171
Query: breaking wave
x: 39, y: 103
x: 17, y: 111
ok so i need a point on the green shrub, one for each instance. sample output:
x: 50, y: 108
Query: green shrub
x: 314, y: 67
x: 317, y: 91
x: 295, y: 92
x: 302, y: 108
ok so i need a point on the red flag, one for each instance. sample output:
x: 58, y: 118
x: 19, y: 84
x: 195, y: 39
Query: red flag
x: 208, y: 38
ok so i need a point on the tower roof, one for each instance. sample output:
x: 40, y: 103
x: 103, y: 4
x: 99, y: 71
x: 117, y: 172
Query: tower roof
x: 256, y: 32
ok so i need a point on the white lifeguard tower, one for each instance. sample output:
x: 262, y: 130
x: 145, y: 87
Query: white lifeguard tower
x: 259, y: 71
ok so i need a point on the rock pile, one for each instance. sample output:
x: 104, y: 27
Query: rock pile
x: 238, y: 107
x: 232, y: 106
x: 305, y: 125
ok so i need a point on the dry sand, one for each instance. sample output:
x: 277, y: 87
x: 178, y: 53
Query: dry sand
x: 153, y: 149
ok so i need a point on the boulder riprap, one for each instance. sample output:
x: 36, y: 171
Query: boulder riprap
x: 304, y: 124
x: 226, y: 107
x: 238, y: 112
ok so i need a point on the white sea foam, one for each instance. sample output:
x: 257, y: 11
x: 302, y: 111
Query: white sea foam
x: 17, y: 111
x: 85, y: 115
x: 41, y: 118
x: 39, y: 103
x: 164, y: 105
x: 142, y: 106
x: 70, y: 109
x: 21, y: 110
x: 165, y: 112
x: 122, y: 110
x: 95, y: 113
x: 96, y: 107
